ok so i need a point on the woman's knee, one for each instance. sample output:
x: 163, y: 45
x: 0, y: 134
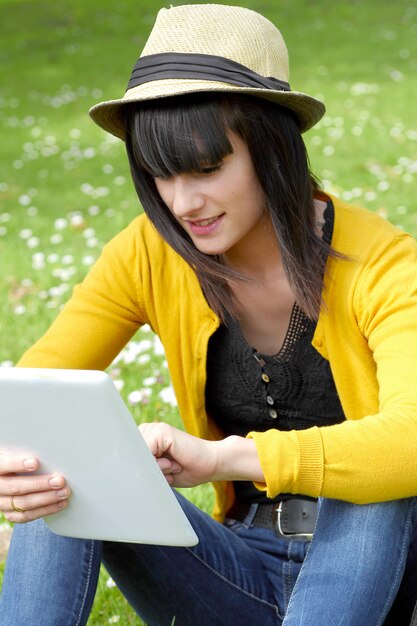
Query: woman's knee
x: 381, y: 520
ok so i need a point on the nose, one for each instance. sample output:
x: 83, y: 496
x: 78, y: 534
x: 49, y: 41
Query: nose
x: 186, y: 196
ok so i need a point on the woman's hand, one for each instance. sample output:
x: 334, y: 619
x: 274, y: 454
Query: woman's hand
x: 187, y: 461
x: 25, y: 496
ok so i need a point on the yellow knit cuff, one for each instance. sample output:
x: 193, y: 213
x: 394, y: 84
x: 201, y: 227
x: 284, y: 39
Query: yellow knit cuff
x: 292, y: 462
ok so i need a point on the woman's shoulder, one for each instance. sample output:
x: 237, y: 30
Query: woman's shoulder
x: 355, y: 214
x: 141, y: 230
x: 357, y: 229
x: 141, y: 239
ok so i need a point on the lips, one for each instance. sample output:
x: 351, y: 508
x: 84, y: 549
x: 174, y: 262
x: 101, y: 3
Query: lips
x: 207, y: 222
x: 205, y: 226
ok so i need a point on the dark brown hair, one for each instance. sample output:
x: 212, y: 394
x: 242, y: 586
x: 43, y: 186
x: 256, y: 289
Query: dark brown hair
x: 161, y: 142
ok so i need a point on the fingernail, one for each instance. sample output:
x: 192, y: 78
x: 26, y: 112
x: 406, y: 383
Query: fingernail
x: 29, y: 464
x: 56, y: 481
x: 62, y: 504
x: 63, y: 493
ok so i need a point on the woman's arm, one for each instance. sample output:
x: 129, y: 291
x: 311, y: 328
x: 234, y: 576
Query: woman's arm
x: 372, y: 456
x: 102, y: 315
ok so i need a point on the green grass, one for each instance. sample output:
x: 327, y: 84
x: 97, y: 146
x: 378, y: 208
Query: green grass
x: 65, y: 187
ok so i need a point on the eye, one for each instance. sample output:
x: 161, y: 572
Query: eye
x: 162, y: 177
x: 211, y: 169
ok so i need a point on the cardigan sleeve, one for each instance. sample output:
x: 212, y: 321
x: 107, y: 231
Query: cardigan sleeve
x: 368, y: 458
x: 103, y: 313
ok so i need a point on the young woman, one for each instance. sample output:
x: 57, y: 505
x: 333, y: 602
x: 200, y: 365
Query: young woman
x: 288, y: 320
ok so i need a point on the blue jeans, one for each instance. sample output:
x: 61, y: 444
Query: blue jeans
x: 237, y: 575
x: 358, y: 555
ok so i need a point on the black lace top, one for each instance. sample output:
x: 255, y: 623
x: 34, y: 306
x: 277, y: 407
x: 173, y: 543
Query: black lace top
x: 293, y: 389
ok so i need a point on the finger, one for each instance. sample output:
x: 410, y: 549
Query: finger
x: 32, y: 514
x: 11, y: 463
x: 168, y: 466
x: 150, y: 434
x: 34, y: 500
x: 31, y: 506
x: 157, y: 436
x: 18, y: 485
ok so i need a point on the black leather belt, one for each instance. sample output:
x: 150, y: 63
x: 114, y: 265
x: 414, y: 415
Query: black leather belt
x: 294, y: 518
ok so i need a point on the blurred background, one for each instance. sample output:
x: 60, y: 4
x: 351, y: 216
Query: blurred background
x: 65, y: 187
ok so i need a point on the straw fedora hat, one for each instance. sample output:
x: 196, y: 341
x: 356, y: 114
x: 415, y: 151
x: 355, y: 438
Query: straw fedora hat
x: 207, y: 48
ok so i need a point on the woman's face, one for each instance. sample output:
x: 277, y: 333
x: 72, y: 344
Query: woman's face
x: 220, y: 208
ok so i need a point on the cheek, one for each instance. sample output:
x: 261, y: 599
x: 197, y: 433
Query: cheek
x: 253, y: 193
x: 250, y: 184
x: 165, y: 191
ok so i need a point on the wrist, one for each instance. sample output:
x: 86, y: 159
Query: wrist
x: 237, y: 459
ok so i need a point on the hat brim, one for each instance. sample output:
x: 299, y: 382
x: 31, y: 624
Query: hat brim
x: 109, y: 114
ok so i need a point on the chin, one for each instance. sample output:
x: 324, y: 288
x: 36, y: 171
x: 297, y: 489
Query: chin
x: 211, y: 252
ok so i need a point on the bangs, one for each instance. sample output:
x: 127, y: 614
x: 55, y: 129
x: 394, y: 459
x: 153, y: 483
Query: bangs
x: 179, y: 135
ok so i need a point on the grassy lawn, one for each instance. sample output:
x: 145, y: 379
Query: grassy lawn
x: 65, y: 188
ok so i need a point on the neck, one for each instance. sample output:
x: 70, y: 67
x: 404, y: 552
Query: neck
x: 258, y: 257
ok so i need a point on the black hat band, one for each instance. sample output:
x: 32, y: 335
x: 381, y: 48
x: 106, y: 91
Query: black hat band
x: 200, y: 66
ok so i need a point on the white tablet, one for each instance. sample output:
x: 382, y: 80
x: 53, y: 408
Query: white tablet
x: 76, y: 423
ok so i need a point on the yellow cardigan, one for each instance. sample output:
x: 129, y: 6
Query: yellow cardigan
x: 367, y: 331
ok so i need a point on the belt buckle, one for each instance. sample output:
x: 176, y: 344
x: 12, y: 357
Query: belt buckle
x: 276, y: 520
